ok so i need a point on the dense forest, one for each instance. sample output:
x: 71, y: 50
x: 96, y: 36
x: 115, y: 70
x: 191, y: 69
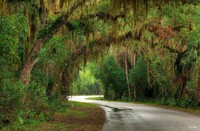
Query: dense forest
x: 137, y: 50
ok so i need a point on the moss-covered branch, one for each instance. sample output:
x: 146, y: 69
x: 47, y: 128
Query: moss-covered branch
x: 98, y: 43
x: 100, y: 16
x: 46, y: 33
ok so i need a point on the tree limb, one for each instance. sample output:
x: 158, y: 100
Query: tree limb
x: 172, y: 50
x: 48, y: 31
x: 107, y: 42
x: 45, y: 34
x: 105, y: 16
x: 100, y: 16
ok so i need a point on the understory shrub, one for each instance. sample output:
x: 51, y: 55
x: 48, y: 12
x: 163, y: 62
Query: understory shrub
x: 11, y: 93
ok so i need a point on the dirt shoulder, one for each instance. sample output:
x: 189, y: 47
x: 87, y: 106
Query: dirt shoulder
x: 78, y: 117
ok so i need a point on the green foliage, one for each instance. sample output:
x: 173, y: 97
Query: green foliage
x: 39, y: 76
x: 38, y: 97
x: 35, y: 110
x: 112, y: 77
x: 186, y: 103
x: 85, y: 83
x: 138, y: 74
x: 12, y: 35
x: 11, y: 93
x: 57, y: 105
x: 185, y: 19
x: 175, y: 14
x: 138, y: 77
x: 55, y: 51
x: 104, y: 7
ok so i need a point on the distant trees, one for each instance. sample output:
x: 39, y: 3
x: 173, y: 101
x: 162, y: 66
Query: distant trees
x: 85, y: 83
x: 113, y: 78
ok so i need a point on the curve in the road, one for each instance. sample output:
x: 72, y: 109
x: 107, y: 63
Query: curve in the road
x: 136, y: 117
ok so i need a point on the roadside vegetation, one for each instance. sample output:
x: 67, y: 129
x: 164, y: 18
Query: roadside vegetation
x: 69, y: 116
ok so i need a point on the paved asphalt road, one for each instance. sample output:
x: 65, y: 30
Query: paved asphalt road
x: 136, y: 117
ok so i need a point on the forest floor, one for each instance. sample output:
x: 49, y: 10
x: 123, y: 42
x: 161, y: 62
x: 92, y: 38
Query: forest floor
x: 78, y: 117
x: 187, y: 110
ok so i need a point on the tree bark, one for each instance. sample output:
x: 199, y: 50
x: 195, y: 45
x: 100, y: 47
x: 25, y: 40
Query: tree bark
x: 65, y: 85
x: 106, y: 92
x: 43, y: 13
x: 25, y: 75
x: 198, y: 88
x: 134, y: 86
x: 26, y: 71
x: 126, y: 68
x: 42, y: 39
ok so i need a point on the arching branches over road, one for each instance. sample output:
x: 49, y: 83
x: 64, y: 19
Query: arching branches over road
x: 45, y: 35
x: 88, y: 50
x: 47, y: 32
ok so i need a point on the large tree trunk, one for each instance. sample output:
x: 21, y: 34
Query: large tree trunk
x: 29, y: 64
x: 26, y: 71
x: 44, y: 38
x: 183, y: 83
x: 25, y: 75
x: 65, y: 87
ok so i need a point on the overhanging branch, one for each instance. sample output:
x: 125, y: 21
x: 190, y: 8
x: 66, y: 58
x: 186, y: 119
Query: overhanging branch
x: 81, y: 51
x: 172, y: 50
x: 105, y: 16
x: 48, y: 31
x: 100, y: 16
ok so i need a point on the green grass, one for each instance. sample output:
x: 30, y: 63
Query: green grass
x: 79, y: 116
x: 80, y: 104
x: 96, y: 98
x: 28, y: 125
x: 73, y: 114
x: 69, y: 116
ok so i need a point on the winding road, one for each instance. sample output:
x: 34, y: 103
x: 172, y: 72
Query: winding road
x: 122, y: 116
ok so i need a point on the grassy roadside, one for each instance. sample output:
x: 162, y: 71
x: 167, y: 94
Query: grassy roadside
x: 187, y: 110
x: 77, y: 117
